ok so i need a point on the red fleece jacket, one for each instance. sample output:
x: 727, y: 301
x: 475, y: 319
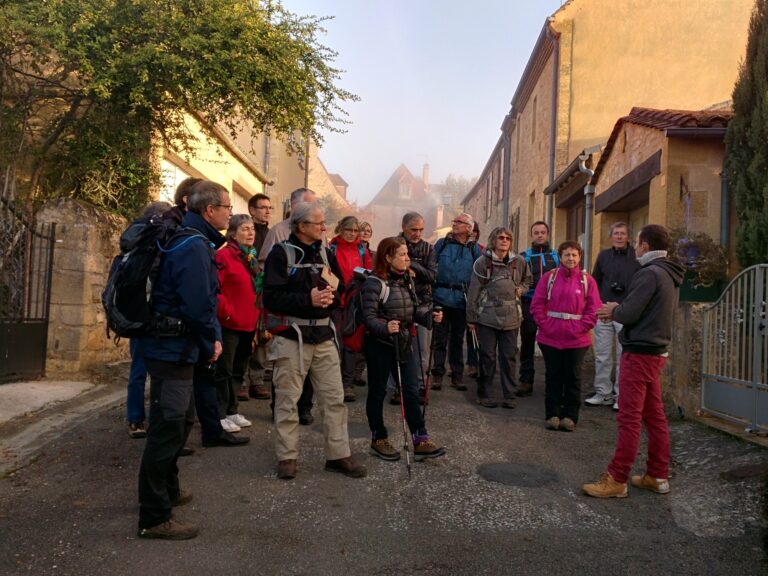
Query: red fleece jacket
x: 348, y: 257
x: 237, y: 297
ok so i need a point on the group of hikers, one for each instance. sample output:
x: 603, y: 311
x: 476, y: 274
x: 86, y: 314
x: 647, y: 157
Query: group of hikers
x: 307, y: 320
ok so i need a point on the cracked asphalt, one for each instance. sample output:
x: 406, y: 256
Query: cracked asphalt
x: 505, y: 500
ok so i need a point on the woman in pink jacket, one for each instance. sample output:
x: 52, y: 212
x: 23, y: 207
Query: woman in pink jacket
x: 565, y: 307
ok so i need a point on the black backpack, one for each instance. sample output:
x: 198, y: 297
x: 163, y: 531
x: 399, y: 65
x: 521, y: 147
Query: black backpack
x: 352, y: 313
x: 127, y: 295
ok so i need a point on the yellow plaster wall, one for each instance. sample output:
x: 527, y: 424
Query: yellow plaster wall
x: 654, y: 53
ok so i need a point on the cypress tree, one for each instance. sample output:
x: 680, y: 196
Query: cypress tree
x: 747, y: 144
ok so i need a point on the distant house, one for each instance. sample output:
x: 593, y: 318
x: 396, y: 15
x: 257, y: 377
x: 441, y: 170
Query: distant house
x: 403, y: 193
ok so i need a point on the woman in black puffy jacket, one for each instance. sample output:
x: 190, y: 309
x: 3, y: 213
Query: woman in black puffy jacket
x: 390, y: 312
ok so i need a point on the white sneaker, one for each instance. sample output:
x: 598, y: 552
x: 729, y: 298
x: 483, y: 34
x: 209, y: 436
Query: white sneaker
x: 599, y: 400
x: 229, y: 426
x: 239, y: 420
x: 616, y: 406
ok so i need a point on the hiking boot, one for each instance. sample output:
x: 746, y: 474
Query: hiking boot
x: 524, y: 389
x: 458, y: 383
x: 346, y: 466
x: 136, y: 430
x: 599, y: 400
x: 567, y: 425
x: 171, y: 530
x: 242, y: 394
x: 305, y: 417
x: 437, y: 382
x: 184, y: 497
x: 487, y: 403
x: 383, y: 449
x: 509, y: 404
x: 395, y: 398
x: 360, y: 382
x: 426, y: 449
x: 553, y: 423
x: 258, y: 392
x: 606, y: 487
x: 658, y: 485
x: 227, y: 439
x: 239, y: 420
x: 286, y: 469
x: 349, y: 395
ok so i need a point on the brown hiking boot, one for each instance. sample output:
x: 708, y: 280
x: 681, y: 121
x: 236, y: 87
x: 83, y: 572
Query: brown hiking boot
x: 567, y: 425
x: 286, y: 469
x: 509, y: 404
x: 427, y: 449
x: 658, y: 485
x: 346, y: 466
x: 458, y: 383
x: 606, y: 487
x: 171, y: 530
x: 349, y: 395
x: 487, y: 403
x: 184, y: 497
x: 242, y: 394
x: 436, y: 383
x: 259, y: 392
x: 382, y: 448
x: 553, y: 423
x: 524, y: 389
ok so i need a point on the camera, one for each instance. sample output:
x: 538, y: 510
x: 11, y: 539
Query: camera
x: 617, y: 287
x: 361, y: 273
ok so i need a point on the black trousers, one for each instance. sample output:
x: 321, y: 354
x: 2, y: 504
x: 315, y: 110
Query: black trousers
x: 236, y: 349
x: 505, y: 341
x: 206, y: 403
x: 528, y: 330
x: 169, y: 417
x: 448, y: 340
x: 563, y: 381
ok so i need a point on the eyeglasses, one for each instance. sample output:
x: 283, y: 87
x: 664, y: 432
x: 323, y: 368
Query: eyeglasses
x: 227, y: 206
x: 263, y: 207
x: 507, y: 238
x: 315, y: 223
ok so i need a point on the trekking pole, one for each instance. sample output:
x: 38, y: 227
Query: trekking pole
x: 396, y: 339
x: 421, y: 369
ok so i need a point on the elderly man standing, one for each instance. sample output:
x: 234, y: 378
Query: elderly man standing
x: 455, y: 255
x: 613, y: 272
x: 647, y: 314
x: 279, y: 233
x: 302, y: 283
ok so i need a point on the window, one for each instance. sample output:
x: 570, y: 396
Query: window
x: 405, y: 189
x: 171, y: 177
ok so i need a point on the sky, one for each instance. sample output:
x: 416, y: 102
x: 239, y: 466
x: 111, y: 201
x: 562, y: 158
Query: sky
x: 435, y: 80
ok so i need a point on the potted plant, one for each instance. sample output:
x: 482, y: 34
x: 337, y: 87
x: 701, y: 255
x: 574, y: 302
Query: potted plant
x: 705, y: 263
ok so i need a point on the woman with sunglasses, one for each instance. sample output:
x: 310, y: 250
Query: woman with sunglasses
x: 499, y: 278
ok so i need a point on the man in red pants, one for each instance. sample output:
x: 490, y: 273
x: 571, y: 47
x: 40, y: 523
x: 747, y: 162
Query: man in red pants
x: 646, y: 313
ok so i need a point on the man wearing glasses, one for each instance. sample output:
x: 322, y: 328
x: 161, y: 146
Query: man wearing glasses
x: 260, y: 209
x: 455, y: 255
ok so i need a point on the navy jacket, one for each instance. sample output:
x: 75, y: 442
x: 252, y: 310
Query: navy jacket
x: 454, y: 271
x: 186, y: 288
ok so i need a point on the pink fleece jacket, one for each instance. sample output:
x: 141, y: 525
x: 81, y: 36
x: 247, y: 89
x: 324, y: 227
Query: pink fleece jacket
x: 568, y: 297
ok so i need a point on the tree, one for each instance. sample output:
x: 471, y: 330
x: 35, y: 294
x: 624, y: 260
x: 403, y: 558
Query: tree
x: 86, y: 84
x: 747, y: 144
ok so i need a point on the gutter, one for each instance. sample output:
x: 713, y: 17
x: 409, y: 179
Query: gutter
x: 718, y: 132
x: 553, y: 123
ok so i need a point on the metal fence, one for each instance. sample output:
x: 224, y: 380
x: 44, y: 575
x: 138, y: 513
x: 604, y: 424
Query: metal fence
x: 26, y: 263
x: 735, y: 352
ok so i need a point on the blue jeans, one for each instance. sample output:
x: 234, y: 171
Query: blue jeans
x: 134, y: 404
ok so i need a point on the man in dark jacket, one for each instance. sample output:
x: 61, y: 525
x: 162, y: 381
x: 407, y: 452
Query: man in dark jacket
x: 647, y: 314
x: 613, y: 272
x: 260, y: 209
x: 540, y: 259
x: 184, y: 301
x: 302, y: 283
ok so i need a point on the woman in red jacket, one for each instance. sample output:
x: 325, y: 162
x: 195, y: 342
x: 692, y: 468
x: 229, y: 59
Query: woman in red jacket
x: 350, y: 254
x: 565, y: 307
x: 238, y: 265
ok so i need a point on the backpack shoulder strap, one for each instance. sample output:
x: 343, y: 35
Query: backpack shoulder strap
x: 555, y: 257
x: 551, y: 282
x: 585, y: 282
x: 290, y: 255
x: 527, y: 256
x: 384, y: 294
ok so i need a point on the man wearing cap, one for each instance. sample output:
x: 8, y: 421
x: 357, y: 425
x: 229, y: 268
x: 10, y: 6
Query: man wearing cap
x: 455, y: 255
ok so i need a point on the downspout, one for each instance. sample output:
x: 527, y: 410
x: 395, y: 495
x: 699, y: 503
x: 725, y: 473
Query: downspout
x: 589, y: 194
x: 553, y: 124
x: 266, y: 157
x: 505, y: 184
x: 725, y: 208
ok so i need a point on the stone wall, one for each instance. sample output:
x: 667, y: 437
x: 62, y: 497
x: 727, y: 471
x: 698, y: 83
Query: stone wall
x: 86, y: 241
x: 681, y: 380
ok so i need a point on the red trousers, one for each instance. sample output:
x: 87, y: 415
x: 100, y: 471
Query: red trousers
x: 640, y: 403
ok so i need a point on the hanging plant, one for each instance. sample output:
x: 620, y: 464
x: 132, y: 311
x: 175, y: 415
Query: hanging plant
x: 704, y: 260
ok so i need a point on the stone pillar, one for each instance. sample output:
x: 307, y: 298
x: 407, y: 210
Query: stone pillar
x: 86, y: 241
x: 681, y: 382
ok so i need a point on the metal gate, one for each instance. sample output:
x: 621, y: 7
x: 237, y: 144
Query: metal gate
x: 735, y: 352
x: 26, y: 263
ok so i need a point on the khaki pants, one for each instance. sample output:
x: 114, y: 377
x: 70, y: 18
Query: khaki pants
x: 321, y: 361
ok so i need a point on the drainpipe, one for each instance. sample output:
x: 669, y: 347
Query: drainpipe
x: 553, y: 124
x: 266, y: 157
x: 589, y: 194
x: 725, y: 208
x: 505, y: 183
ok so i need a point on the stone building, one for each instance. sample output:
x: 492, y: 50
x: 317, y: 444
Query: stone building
x: 593, y: 61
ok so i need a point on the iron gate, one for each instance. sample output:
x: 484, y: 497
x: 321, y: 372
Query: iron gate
x: 26, y: 262
x: 735, y: 352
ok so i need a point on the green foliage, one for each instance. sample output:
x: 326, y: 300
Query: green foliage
x: 86, y: 82
x: 703, y: 259
x: 747, y: 144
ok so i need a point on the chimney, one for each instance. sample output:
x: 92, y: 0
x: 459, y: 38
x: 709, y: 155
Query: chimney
x: 425, y: 176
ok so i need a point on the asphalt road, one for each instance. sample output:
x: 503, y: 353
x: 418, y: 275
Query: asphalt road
x: 505, y: 500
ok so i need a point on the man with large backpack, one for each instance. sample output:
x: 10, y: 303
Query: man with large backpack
x: 302, y: 283
x: 541, y: 258
x: 455, y: 255
x: 185, y: 333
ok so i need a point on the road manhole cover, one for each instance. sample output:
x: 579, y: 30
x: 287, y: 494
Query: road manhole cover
x: 524, y: 475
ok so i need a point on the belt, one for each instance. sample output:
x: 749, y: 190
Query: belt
x: 295, y: 322
x: 564, y: 315
x: 461, y: 287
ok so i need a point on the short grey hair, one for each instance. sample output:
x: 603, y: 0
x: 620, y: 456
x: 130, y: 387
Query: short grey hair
x: 410, y: 217
x: 298, y: 195
x: 302, y: 212
x: 156, y: 208
x: 235, y: 222
x: 205, y: 193
x: 619, y: 225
